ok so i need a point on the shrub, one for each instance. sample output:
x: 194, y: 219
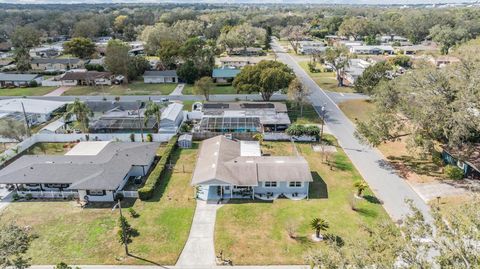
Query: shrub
x: 132, y: 137
x: 16, y: 197
x: 28, y: 196
x: 146, y: 192
x: 33, y: 83
x: 133, y: 213
x: 453, y: 172
x: 149, y: 138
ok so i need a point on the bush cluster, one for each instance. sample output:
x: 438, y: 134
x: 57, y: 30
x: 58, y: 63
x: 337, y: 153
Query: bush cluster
x: 153, y: 180
x: 300, y: 130
x: 453, y: 172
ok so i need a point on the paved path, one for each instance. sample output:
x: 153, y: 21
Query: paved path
x: 178, y: 90
x: 58, y: 91
x: 5, y: 198
x: 199, y: 249
x: 371, y: 164
x: 177, y: 267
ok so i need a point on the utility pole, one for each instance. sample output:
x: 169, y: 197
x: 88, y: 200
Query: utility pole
x: 140, y: 120
x: 27, y: 125
x: 322, y: 114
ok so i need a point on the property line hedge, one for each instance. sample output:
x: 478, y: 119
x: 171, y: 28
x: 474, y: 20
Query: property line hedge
x: 153, y: 180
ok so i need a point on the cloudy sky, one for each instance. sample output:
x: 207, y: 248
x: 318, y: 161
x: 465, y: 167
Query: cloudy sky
x: 244, y: 1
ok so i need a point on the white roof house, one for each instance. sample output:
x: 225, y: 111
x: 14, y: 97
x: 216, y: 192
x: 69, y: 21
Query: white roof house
x: 381, y: 49
x: 172, y: 118
x: 37, y: 110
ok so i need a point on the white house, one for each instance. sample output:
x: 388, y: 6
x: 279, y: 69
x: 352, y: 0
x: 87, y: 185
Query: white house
x: 373, y: 49
x: 171, y: 118
x: 18, y: 80
x: 354, y: 69
x: 167, y: 76
x: 91, y: 171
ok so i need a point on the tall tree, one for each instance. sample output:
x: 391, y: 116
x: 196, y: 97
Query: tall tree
x: 298, y: 93
x: 204, y: 86
x: 266, y: 77
x: 357, y: 28
x: 81, y: 112
x: 371, y: 76
x: 168, y: 53
x: 23, y: 39
x: 242, y: 36
x: 294, y: 34
x: 448, y: 36
x: 338, y: 57
x: 188, y: 72
x: 117, y: 58
x: 12, y: 129
x: 152, y: 109
x: 80, y: 47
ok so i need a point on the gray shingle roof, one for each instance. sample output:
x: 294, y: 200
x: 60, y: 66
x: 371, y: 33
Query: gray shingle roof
x: 104, y: 171
x: 18, y: 77
x: 166, y: 73
x: 55, y: 61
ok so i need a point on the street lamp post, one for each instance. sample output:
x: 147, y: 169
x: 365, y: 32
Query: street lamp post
x: 322, y: 114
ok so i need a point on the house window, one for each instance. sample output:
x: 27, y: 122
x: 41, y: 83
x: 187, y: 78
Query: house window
x: 295, y: 184
x: 270, y: 184
x: 56, y: 186
x: 96, y: 192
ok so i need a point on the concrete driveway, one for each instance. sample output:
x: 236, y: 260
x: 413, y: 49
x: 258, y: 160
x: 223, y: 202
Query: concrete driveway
x: 58, y: 92
x: 371, y: 164
x: 199, y: 249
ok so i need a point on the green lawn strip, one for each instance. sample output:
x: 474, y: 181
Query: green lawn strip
x: 33, y: 91
x: 254, y: 232
x: 134, y: 88
x: 220, y: 89
x: 357, y: 110
x: 89, y: 236
x: 309, y: 115
x: 325, y: 80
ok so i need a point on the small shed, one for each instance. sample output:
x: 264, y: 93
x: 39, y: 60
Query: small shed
x: 185, y: 141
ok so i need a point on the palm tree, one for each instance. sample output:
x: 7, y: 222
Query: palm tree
x: 361, y: 186
x: 152, y: 109
x: 82, y: 113
x: 319, y: 225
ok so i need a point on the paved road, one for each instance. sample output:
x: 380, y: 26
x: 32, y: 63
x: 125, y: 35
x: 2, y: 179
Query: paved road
x: 371, y: 164
x: 199, y: 249
x: 218, y: 97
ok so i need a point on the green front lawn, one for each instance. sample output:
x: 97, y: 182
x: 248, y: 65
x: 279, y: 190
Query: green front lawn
x: 254, y: 232
x: 89, y: 236
x: 325, y: 80
x: 33, y: 91
x: 133, y: 88
x: 223, y: 89
x: 307, y: 116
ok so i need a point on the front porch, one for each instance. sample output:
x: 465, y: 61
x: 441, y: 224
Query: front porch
x: 222, y: 192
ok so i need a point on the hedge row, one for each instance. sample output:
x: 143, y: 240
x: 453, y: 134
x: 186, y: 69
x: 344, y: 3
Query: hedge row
x: 153, y: 180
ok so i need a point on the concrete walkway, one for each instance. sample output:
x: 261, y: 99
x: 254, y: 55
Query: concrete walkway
x: 58, y: 91
x: 177, y: 267
x: 199, y: 249
x: 178, y: 90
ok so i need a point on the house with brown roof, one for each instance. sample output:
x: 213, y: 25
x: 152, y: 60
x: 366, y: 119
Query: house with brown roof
x: 231, y: 169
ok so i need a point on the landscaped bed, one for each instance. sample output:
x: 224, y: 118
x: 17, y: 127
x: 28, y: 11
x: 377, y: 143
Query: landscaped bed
x: 133, y: 88
x: 254, y: 232
x: 89, y: 236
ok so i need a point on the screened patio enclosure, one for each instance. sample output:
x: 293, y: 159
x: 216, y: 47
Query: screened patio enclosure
x: 230, y: 124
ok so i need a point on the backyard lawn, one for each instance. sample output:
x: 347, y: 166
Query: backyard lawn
x: 46, y: 148
x: 223, y: 89
x: 325, y: 80
x: 89, y: 236
x: 255, y: 232
x: 134, y: 88
x: 32, y: 91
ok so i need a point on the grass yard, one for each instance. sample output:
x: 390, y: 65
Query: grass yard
x: 46, y: 148
x: 220, y: 89
x: 34, y: 91
x: 134, y: 88
x: 325, y: 80
x: 309, y: 115
x: 255, y: 232
x: 89, y: 236
x: 408, y: 165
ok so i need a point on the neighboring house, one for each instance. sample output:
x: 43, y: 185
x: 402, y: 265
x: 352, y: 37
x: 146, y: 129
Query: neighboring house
x: 37, y: 111
x: 56, y: 64
x: 414, y: 49
x: 443, y: 61
x: 311, y: 47
x: 466, y: 159
x: 17, y: 80
x: 353, y: 70
x: 5, y: 62
x: 243, y: 117
x: 373, y: 49
x: 392, y: 39
x: 100, y: 61
x: 91, y: 171
x: 250, y: 51
x: 224, y: 75
x: 87, y: 78
x: 228, y: 169
x: 238, y: 62
x: 167, y: 76
x: 5, y: 46
x: 118, y: 120
x: 171, y: 118
x: 56, y: 127
x: 44, y: 52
